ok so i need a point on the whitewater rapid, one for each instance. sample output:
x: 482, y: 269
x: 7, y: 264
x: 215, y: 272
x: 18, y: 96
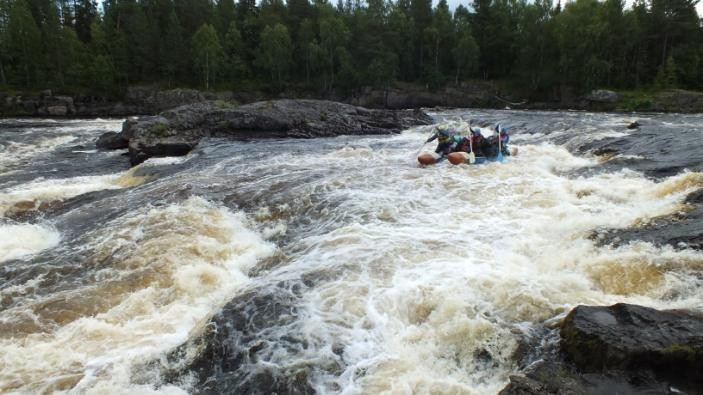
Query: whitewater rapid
x: 398, y: 278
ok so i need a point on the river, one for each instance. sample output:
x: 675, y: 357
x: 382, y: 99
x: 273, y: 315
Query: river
x: 341, y: 265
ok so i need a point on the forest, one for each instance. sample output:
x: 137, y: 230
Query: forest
x: 536, y: 46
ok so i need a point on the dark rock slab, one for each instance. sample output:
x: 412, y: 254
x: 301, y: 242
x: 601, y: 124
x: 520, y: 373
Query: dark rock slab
x: 112, y: 140
x: 631, y: 337
x: 621, y: 349
x: 177, y: 131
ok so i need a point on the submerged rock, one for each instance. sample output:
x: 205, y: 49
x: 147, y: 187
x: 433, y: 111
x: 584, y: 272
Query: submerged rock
x: 234, y: 354
x: 177, y: 131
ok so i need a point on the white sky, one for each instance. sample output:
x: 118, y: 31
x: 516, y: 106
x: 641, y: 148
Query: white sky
x: 454, y: 3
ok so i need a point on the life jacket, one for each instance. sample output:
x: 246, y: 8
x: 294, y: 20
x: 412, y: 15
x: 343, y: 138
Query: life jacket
x: 490, y: 144
x: 446, y: 147
x: 464, y: 145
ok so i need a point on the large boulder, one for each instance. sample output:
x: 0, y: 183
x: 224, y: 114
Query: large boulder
x: 631, y: 337
x: 624, y: 349
x: 177, y: 131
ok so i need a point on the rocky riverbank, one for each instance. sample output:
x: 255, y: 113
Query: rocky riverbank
x: 177, y: 131
x: 151, y: 101
x: 137, y: 100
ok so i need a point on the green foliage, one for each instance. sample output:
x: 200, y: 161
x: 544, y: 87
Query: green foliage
x: 172, y: 49
x: 159, y: 129
x: 635, y: 101
x: 102, y: 74
x: 207, y: 54
x: 235, y: 68
x: 224, y: 104
x: 23, y: 45
x: 275, y: 52
x: 666, y: 76
x: 466, y: 54
x: 535, y: 46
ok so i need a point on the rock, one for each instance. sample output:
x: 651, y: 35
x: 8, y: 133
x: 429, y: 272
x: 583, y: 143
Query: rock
x: 520, y: 385
x: 164, y: 100
x: 177, y: 131
x: 633, y: 125
x: 236, y: 348
x: 621, y: 349
x: 112, y: 140
x: 678, y: 100
x: 634, y: 338
x: 57, y: 110
x: 602, y: 96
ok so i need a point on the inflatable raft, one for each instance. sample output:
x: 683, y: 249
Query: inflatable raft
x: 457, y: 158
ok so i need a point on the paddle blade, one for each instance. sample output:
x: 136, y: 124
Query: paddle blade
x: 472, y: 157
x: 499, y: 158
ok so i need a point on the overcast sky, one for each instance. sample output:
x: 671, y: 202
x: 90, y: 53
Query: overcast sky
x: 454, y: 3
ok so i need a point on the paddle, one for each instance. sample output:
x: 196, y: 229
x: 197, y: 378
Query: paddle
x: 421, y: 147
x: 499, y: 158
x: 472, y: 156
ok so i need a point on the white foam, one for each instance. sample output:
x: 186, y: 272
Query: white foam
x: 41, y: 192
x: 37, y: 194
x: 21, y: 240
x: 187, y: 260
x: 18, y: 152
x: 167, y: 160
x: 440, y: 268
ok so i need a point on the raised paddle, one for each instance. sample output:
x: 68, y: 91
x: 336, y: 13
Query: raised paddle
x: 472, y: 156
x: 499, y: 158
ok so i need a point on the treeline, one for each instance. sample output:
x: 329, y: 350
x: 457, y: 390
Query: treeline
x: 537, y: 46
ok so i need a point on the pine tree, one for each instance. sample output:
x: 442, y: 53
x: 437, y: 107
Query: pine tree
x: 466, y: 54
x: 85, y: 13
x: 421, y: 14
x: 173, y: 51
x: 23, y: 43
x: 442, y: 23
x: 225, y: 15
x: 4, y: 16
x: 236, y: 68
x: 666, y: 76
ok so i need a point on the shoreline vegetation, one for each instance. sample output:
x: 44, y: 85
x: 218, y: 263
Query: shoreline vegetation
x: 583, y: 54
x: 144, y: 100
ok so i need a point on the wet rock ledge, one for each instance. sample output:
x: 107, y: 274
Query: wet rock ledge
x: 621, y: 349
x: 177, y: 131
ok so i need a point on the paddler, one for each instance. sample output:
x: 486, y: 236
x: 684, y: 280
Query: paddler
x: 447, y: 140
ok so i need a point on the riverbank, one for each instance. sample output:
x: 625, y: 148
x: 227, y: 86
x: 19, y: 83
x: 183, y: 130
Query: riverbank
x: 140, y: 100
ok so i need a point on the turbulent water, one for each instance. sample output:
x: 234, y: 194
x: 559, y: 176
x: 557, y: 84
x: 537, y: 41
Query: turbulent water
x: 342, y: 265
